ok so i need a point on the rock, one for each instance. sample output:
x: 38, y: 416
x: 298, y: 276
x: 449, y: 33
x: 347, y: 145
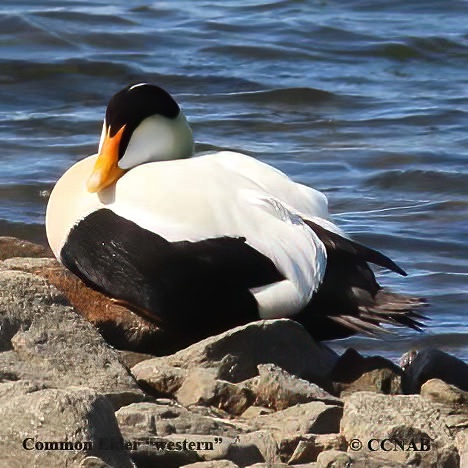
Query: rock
x: 93, y: 462
x: 236, y: 353
x: 461, y: 442
x: 269, y: 465
x: 118, y: 325
x: 412, y: 420
x: 244, y: 454
x: 379, y: 380
x: 254, y: 411
x: 354, y: 372
x: 146, y: 456
x: 351, y: 365
x: 197, y: 448
x: 132, y: 358
x: 434, y: 364
x: 369, y: 415
x: 44, y: 340
x: 212, y: 464
x: 13, y: 247
x: 19, y: 387
x: 202, y: 388
x: 159, y: 377
x: 305, y: 448
x: 162, y: 420
x: 334, y: 459
x: 266, y: 444
x: 441, y: 392
x: 314, y: 417
x: 449, y: 457
x: 275, y: 388
x: 32, y: 422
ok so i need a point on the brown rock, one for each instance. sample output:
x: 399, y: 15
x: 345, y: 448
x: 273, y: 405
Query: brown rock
x: 132, y: 358
x: 379, y: 380
x: 266, y: 444
x: 306, y: 448
x: 276, y: 465
x: 236, y: 353
x: 161, y: 378
x: 212, y: 464
x: 351, y: 365
x: 254, y: 411
x: 93, y: 462
x: 13, y: 247
x: 314, y: 417
x: 275, y: 388
x: 118, y: 325
x: 334, y: 459
x: 46, y: 341
x: 441, y: 392
x: 202, y: 388
x: 354, y: 372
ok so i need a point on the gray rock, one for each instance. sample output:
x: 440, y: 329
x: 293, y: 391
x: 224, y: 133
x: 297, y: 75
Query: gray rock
x: 405, y: 418
x: 461, y: 442
x: 244, y: 454
x: 236, y: 354
x: 369, y: 415
x: 162, y: 420
x: 119, y: 325
x: 434, y: 364
x: 266, y: 444
x: 254, y: 411
x: 351, y: 365
x: 47, y: 418
x: 441, y: 392
x: 202, y: 388
x: 354, y: 372
x: 44, y: 340
x: 314, y: 417
x: 132, y: 358
x: 212, y: 464
x: 197, y: 449
x: 93, y: 462
x: 269, y: 465
x: 148, y: 456
x: 13, y: 247
x: 173, y: 450
x: 379, y: 380
x: 159, y: 375
x: 18, y: 387
x: 334, y: 459
x: 307, y: 447
x: 275, y: 388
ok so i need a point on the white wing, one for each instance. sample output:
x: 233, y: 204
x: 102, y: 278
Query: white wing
x: 302, y: 199
x: 295, y: 250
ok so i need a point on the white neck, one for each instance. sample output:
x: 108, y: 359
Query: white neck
x: 158, y: 138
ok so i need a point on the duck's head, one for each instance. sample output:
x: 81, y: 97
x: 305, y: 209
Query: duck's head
x: 143, y: 124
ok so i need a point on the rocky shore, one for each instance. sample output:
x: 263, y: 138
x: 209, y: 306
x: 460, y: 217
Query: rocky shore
x: 84, y: 382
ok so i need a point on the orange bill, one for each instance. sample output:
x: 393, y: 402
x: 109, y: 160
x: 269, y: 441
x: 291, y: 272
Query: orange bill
x: 106, y: 170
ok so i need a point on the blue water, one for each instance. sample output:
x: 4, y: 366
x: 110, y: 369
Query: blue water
x: 364, y: 100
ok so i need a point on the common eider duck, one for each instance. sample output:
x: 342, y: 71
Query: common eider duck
x: 200, y: 244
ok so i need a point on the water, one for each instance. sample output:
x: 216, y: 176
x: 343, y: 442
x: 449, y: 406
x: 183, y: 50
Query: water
x: 363, y: 100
